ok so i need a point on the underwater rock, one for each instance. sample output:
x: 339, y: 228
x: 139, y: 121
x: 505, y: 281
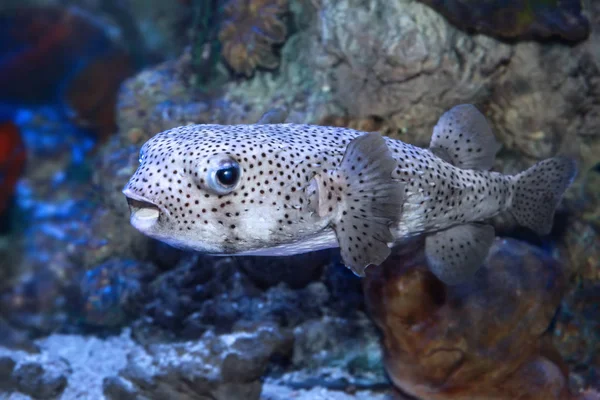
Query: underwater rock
x: 520, y: 105
x: 111, y: 292
x: 249, y: 30
x: 61, y: 247
x: 399, y: 60
x: 33, y: 375
x: 153, y: 30
x: 577, y: 335
x: 204, y: 292
x: 369, y: 124
x: 225, y: 367
x: 416, y: 66
x: 62, y: 366
x: 40, y: 383
x: 319, y: 360
x: 140, y: 95
x: 34, y: 303
x: 482, y: 339
x: 14, y: 338
x: 7, y: 366
x: 577, y: 331
x: 521, y: 19
x: 296, y: 271
x: 163, y: 97
x: 279, y: 392
x: 114, y: 164
x: 539, y: 111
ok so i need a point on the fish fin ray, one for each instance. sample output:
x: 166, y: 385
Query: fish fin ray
x: 539, y: 190
x: 455, y: 254
x: 368, y: 201
x: 463, y: 137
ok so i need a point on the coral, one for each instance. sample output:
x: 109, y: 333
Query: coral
x: 57, y: 52
x: 91, y: 95
x: 12, y: 161
x: 482, y: 339
x: 249, y: 30
x: 54, y: 39
x: 517, y: 19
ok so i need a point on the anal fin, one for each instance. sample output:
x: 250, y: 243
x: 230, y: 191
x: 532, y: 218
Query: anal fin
x: 455, y: 254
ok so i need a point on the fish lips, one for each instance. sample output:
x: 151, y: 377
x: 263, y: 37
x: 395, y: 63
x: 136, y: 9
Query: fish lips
x: 144, y: 213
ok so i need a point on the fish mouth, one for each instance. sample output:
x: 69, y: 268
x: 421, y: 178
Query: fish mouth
x: 144, y: 213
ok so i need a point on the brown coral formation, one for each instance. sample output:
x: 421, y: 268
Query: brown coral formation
x: 92, y: 95
x: 486, y: 339
x: 250, y: 29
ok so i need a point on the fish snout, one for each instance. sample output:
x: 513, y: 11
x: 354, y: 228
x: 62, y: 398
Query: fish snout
x: 144, y: 213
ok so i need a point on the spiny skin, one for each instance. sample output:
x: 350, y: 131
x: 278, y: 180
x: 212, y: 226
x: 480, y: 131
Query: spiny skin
x: 268, y: 212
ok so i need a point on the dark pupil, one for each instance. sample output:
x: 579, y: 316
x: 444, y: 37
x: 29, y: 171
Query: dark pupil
x: 228, y: 176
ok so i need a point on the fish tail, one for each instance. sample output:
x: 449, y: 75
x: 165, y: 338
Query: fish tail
x: 538, y: 191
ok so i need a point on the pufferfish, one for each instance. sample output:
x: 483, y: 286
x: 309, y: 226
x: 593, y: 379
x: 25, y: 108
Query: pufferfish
x: 278, y: 189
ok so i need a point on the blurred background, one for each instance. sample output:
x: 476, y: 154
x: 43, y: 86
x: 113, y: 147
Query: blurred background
x: 90, y: 308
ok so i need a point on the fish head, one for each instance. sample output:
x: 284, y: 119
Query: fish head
x: 221, y: 190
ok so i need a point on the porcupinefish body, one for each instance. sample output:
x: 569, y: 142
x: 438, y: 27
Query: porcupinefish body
x: 282, y: 189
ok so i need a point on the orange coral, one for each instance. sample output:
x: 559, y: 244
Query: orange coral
x: 249, y: 30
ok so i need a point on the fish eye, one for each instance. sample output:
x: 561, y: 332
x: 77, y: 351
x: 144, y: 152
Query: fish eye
x: 224, y: 176
x: 228, y: 176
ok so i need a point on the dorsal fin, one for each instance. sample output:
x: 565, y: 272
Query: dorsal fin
x: 463, y: 138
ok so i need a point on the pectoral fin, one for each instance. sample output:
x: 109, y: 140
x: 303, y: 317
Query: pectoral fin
x: 455, y: 254
x: 363, y: 199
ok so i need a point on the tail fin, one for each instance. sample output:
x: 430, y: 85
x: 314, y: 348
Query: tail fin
x: 538, y: 191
